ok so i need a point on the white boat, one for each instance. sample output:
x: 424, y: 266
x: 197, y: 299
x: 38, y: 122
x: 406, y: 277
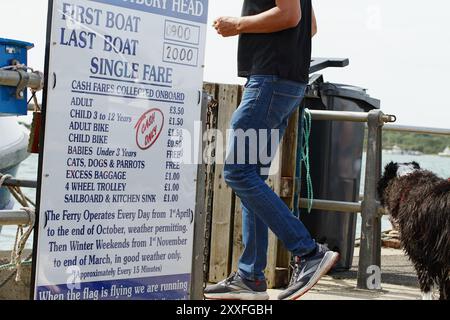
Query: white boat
x: 445, y: 153
x: 13, y: 150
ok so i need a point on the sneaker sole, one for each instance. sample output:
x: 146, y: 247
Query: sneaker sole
x: 329, y: 261
x: 237, y: 296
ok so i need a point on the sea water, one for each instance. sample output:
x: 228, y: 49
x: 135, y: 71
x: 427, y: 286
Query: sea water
x: 439, y: 165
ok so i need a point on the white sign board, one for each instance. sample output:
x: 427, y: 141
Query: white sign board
x: 117, y: 192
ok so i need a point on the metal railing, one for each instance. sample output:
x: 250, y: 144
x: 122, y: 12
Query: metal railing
x: 370, y: 208
x: 339, y: 206
x: 348, y: 116
x: 421, y: 130
x: 20, y: 183
x: 21, y: 79
x: 14, y: 218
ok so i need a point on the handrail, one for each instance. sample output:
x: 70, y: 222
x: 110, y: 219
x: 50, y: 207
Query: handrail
x: 370, y: 252
x: 336, y: 206
x: 348, y: 116
x: 20, y: 183
x: 327, y: 205
x: 14, y: 218
x: 13, y: 78
x: 414, y: 129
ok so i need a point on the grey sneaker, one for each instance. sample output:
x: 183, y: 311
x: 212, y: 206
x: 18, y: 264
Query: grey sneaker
x: 236, y: 287
x: 308, y: 271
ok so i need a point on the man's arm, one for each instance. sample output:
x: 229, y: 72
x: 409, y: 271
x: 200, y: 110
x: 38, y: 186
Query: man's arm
x: 314, y: 24
x: 285, y: 15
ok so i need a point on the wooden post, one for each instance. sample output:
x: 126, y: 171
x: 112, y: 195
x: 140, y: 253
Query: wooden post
x: 198, y: 260
x: 212, y: 89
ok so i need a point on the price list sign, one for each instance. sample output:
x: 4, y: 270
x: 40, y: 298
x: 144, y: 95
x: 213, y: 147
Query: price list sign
x: 117, y: 171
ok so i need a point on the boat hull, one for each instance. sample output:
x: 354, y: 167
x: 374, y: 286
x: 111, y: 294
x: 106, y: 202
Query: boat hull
x: 13, y: 150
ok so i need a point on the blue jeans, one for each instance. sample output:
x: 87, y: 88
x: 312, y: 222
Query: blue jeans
x: 266, y: 106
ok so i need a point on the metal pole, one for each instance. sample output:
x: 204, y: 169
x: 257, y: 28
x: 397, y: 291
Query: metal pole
x: 20, y: 183
x: 413, y: 129
x: 337, y: 206
x: 198, y: 260
x: 14, y: 218
x: 13, y: 78
x: 348, y: 116
x: 370, y: 249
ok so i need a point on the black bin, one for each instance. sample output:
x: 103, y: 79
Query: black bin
x: 336, y: 150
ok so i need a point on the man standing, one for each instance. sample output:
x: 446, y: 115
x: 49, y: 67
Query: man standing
x: 274, y: 55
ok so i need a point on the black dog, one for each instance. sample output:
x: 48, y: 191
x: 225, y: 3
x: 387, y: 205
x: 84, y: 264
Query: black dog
x: 419, y: 204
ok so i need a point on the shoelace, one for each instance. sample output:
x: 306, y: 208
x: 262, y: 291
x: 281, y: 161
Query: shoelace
x: 298, y: 261
x: 295, y: 269
x: 230, y: 279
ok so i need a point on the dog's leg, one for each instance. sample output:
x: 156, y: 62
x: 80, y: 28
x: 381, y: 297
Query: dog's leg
x: 444, y: 289
x: 427, y: 295
x: 426, y: 284
x: 447, y: 289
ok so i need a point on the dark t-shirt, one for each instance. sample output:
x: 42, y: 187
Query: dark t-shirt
x: 286, y: 53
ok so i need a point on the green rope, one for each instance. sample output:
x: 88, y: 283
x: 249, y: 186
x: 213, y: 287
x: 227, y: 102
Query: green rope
x: 12, y: 265
x: 305, y: 157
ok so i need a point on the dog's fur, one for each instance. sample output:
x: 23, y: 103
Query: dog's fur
x: 419, y: 204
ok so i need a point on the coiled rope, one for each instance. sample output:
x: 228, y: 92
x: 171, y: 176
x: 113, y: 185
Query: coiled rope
x: 21, y: 236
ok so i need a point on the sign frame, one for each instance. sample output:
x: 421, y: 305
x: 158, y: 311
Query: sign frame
x: 195, y: 289
x: 41, y: 148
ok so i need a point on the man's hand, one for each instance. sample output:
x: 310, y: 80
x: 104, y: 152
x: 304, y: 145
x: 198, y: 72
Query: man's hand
x: 227, y: 26
x: 286, y: 14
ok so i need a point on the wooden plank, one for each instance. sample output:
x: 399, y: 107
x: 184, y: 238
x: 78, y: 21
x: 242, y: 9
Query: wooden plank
x: 223, y: 203
x: 289, y: 154
x: 238, y: 245
x: 278, y: 257
x: 272, y: 261
x: 274, y: 181
x: 200, y: 222
x: 287, y: 188
x: 212, y: 90
x: 288, y: 167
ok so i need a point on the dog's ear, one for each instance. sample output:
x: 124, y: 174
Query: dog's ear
x: 416, y: 165
x: 390, y: 172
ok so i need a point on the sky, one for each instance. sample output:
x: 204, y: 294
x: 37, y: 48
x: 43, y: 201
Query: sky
x: 398, y: 50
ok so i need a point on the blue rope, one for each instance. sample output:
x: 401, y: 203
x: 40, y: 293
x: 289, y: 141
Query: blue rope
x: 305, y: 157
